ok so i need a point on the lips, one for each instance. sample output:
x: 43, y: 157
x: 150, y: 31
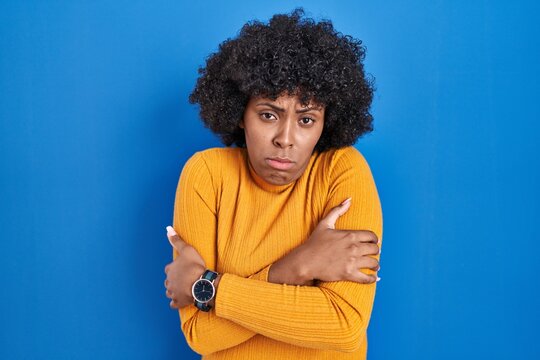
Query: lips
x: 280, y: 163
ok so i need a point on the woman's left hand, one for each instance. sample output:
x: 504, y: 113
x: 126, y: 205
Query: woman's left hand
x: 182, y: 272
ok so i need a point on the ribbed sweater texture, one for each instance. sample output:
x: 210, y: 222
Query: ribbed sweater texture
x: 241, y: 225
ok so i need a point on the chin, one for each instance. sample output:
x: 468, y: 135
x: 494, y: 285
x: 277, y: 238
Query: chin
x: 277, y: 180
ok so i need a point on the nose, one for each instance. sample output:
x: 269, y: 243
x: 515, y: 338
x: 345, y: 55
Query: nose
x: 285, y: 134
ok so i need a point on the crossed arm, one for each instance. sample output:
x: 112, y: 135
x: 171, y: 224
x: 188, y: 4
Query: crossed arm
x: 332, y: 315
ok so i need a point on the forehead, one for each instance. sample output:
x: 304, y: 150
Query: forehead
x: 285, y: 101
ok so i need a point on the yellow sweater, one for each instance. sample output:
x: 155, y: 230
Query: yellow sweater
x: 241, y: 225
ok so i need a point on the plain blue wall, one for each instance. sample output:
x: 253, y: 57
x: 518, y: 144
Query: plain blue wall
x: 95, y: 127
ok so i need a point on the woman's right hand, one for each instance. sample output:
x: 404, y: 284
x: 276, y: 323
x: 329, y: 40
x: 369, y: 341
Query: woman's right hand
x: 329, y: 255
x: 334, y: 255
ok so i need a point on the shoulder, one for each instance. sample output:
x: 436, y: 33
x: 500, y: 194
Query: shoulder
x: 345, y: 159
x: 350, y: 175
x: 213, y: 161
x: 215, y: 156
x: 348, y: 153
x: 219, y: 155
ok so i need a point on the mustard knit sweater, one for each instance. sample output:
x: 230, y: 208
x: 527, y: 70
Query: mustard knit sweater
x: 241, y: 225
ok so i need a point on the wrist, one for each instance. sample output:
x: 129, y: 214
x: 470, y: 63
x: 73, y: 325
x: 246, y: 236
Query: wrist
x: 292, y: 269
x: 302, y: 268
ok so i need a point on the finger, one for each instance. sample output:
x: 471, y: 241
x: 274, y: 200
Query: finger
x: 173, y: 305
x: 359, y: 236
x: 368, y: 249
x: 367, y: 262
x: 330, y: 219
x: 168, y: 294
x: 174, y: 239
x: 166, y: 283
x: 362, y: 278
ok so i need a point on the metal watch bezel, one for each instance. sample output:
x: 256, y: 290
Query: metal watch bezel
x: 193, y: 290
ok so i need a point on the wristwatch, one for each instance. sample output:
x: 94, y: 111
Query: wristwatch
x: 203, y: 290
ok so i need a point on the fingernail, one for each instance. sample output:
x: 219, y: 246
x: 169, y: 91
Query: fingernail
x: 378, y: 279
x: 346, y: 201
x: 170, y: 230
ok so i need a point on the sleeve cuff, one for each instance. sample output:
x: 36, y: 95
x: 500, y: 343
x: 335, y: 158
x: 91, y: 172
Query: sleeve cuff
x: 222, y: 296
x: 262, y: 275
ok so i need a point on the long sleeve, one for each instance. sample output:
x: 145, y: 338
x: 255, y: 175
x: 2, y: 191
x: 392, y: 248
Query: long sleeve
x: 332, y: 315
x: 195, y: 221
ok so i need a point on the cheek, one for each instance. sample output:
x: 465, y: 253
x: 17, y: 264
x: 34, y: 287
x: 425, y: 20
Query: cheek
x: 257, y: 136
x: 318, y: 137
x: 311, y: 139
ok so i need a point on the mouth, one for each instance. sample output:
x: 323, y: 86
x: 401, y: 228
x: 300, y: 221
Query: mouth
x: 280, y: 163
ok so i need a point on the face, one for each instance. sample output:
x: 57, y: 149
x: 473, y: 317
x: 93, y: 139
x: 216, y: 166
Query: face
x: 280, y: 136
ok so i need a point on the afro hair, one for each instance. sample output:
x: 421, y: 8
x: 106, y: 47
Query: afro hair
x: 289, y: 55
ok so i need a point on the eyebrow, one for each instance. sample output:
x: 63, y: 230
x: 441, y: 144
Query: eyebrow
x: 277, y: 108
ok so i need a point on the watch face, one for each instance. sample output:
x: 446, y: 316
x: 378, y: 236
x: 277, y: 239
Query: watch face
x: 203, y: 290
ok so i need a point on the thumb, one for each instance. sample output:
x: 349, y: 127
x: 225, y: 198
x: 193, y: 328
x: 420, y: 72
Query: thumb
x: 174, y: 239
x: 329, y: 220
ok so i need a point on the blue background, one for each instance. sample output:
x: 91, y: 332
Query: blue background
x: 95, y: 127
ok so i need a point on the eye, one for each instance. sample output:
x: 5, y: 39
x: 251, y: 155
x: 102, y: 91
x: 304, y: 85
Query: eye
x: 267, y: 116
x: 307, y: 121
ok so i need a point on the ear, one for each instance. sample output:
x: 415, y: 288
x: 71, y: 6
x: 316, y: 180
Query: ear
x: 241, y: 124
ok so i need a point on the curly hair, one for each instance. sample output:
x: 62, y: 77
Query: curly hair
x: 289, y: 55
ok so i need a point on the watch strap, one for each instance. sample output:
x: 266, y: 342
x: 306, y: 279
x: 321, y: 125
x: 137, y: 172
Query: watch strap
x: 211, y: 276
x: 202, y: 306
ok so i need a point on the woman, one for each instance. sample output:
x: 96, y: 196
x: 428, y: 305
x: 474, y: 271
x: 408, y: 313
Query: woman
x: 278, y: 238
